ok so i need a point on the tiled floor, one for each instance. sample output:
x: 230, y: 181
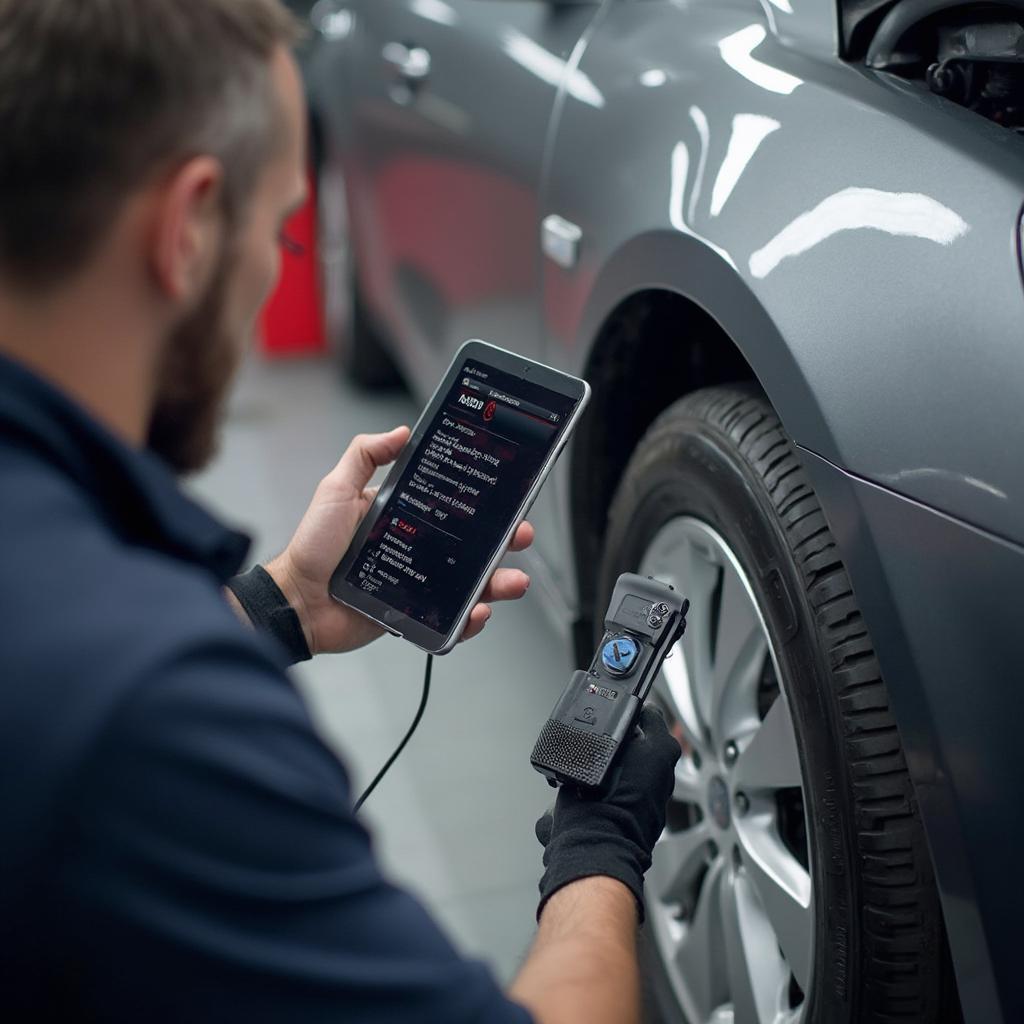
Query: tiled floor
x: 453, y: 821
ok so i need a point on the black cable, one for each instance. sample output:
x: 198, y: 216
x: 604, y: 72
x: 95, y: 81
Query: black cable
x: 408, y: 736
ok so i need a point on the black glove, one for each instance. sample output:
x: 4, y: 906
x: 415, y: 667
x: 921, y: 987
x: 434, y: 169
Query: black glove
x: 612, y: 832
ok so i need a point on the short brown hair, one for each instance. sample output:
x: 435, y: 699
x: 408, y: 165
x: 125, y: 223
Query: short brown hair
x: 98, y: 95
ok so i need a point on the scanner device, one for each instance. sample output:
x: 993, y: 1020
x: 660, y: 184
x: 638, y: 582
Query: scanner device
x: 596, y: 713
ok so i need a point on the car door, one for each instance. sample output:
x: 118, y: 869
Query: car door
x: 450, y: 107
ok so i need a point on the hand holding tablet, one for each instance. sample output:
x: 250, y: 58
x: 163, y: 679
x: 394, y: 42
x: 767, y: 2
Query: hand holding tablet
x: 448, y: 510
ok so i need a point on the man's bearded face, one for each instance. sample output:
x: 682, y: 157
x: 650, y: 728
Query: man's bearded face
x: 201, y: 358
x: 204, y: 351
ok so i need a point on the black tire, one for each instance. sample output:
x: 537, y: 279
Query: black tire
x: 361, y: 352
x: 721, y: 455
x: 352, y: 336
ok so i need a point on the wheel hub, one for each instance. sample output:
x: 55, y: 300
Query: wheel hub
x: 718, y: 802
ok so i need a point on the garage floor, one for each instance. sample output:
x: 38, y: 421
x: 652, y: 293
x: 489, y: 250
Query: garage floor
x: 453, y: 821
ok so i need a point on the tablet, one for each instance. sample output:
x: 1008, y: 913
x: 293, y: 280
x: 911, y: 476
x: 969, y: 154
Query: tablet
x: 451, y: 504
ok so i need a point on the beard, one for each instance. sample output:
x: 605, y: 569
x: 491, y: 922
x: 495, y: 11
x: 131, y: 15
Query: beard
x: 197, y: 369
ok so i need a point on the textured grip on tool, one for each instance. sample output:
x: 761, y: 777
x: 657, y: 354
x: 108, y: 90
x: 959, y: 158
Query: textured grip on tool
x: 581, y: 756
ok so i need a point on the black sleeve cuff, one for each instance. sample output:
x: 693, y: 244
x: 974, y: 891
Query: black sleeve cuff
x: 270, y: 611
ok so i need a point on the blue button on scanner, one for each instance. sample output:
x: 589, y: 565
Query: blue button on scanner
x: 619, y: 655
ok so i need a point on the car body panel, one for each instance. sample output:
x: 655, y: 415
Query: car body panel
x: 876, y: 273
x: 447, y: 170
x: 855, y: 294
x: 950, y: 656
x: 809, y: 25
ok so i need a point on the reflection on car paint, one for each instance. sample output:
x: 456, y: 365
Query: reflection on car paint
x: 680, y: 172
x: 443, y: 113
x: 550, y: 68
x: 748, y: 132
x: 737, y: 51
x: 700, y: 122
x: 334, y: 26
x: 653, y: 78
x: 435, y: 10
x: 908, y: 214
x: 897, y: 480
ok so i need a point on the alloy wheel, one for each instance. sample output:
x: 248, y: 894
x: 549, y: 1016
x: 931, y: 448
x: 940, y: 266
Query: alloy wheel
x: 729, y: 896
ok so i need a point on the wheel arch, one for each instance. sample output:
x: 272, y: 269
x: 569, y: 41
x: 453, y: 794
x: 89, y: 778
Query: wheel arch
x: 666, y: 316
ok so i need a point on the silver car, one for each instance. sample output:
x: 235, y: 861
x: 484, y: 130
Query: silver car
x: 781, y: 239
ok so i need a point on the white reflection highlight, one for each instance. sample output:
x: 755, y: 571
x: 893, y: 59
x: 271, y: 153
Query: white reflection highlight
x: 700, y: 122
x: 434, y: 10
x: 654, y: 78
x: 908, y: 214
x: 748, y: 132
x: 783, y: 5
x: 332, y: 25
x: 946, y: 476
x: 550, y: 68
x: 737, y: 52
x: 447, y: 115
x: 680, y: 173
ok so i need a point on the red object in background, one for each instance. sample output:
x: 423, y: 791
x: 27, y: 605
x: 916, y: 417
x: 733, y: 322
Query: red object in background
x: 486, y: 253
x: 292, y: 321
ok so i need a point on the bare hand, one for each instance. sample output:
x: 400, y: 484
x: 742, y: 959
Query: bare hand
x: 342, y: 499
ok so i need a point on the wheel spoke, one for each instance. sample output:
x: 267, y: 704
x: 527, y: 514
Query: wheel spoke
x: 700, y: 955
x: 741, y: 985
x: 741, y: 647
x: 770, y: 760
x: 784, y: 891
x: 674, y: 688
x: 691, y: 561
x: 689, y: 788
x: 678, y: 859
x: 701, y: 581
x: 757, y: 973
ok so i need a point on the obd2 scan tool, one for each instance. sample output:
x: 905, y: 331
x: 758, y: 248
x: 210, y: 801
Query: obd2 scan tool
x: 596, y: 713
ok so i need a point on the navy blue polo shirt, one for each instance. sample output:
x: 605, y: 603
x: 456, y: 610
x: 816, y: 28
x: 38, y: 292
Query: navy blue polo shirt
x: 176, y: 842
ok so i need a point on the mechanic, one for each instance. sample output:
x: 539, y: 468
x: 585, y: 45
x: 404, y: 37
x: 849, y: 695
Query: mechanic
x: 178, y: 844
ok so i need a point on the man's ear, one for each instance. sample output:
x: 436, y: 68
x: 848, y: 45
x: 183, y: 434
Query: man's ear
x: 188, y: 228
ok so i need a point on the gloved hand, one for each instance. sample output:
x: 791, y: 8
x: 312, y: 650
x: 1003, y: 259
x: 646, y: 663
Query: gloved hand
x: 613, y: 831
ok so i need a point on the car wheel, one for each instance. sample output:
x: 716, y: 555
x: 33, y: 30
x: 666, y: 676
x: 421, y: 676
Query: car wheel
x: 792, y: 882
x: 351, y: 335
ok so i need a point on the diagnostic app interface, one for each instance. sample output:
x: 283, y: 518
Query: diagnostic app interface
x: 453, y: 503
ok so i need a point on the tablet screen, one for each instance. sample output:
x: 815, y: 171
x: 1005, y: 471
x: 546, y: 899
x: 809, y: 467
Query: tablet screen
x: 452, y: 506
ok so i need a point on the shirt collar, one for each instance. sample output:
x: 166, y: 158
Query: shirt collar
x: 134, y: 490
